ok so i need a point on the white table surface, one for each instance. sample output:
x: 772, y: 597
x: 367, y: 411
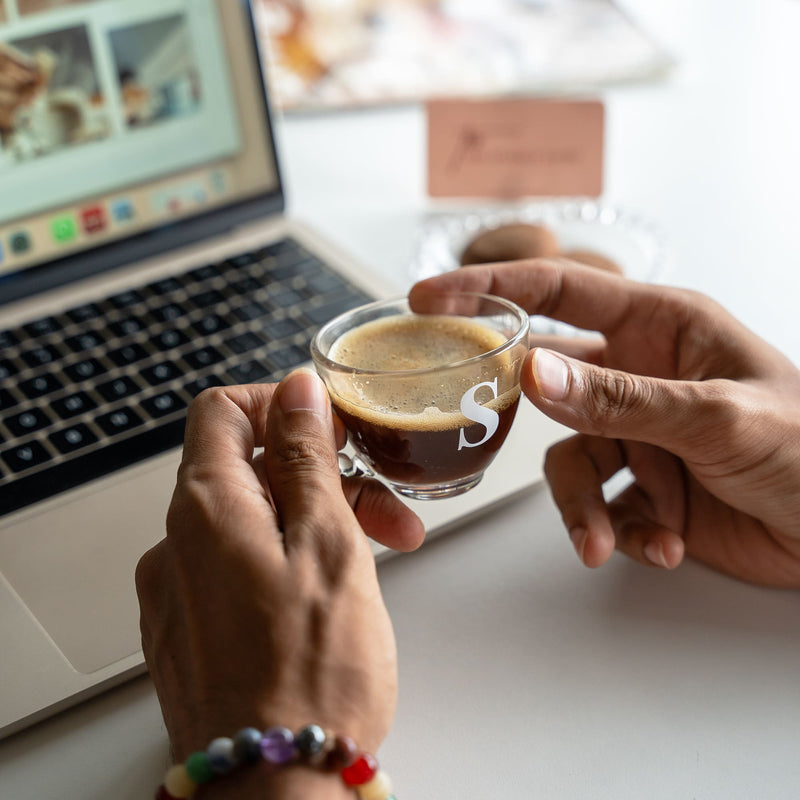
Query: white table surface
x: 522, y: 673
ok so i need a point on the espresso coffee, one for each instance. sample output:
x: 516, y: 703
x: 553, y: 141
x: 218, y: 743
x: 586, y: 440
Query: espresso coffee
x: 423, y: 425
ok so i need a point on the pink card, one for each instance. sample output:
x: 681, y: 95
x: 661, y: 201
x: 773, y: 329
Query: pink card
x: 505, y: 149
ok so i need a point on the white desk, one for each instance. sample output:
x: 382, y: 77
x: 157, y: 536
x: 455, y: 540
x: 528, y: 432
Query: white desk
x: 523, y: 674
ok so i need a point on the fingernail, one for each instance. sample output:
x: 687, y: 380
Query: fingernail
x: 551, y: 374
x: 578, y: 538
x: 654, y: 553
x: 303, y: 390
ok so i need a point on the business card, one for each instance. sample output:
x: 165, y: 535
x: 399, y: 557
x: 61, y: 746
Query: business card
x: 511, y: 148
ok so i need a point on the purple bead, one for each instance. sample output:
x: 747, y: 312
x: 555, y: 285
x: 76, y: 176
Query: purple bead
x: 277, y: 746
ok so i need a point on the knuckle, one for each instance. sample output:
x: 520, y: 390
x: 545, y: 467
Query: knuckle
x: 208, y: 402
x: 211, y: 397
x: 193, y: 508
x: 613, y: 395
x: 147, y: 571
x: 304, y: 453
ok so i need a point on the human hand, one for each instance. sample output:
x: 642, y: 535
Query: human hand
x: 703, y: 412
x: 261, y: 606
x: 19, y: 79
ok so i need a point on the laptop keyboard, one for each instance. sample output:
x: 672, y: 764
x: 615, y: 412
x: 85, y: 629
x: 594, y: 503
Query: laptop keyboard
x: 106, y: 384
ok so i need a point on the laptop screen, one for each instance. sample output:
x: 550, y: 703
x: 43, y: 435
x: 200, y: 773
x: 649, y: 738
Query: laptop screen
x: 126, y: 127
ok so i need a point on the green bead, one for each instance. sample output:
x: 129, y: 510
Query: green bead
x: 198, y: 767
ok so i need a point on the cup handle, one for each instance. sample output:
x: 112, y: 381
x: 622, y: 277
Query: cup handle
x: 353, y: 467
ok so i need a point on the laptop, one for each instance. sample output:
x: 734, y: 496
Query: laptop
x: 145, y: 254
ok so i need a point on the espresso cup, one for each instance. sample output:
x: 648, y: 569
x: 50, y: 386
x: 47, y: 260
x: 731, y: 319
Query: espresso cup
x: 427, y: 398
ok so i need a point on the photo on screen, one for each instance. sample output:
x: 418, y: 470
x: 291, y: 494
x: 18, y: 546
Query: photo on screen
x: 157, y: 70
x: 66, y: 105
x: 28, y: 7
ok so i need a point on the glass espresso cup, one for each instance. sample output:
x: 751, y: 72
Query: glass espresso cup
x: 427, y: 397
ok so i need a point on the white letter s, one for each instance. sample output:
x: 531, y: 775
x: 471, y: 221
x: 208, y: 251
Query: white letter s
x: 472, y: 410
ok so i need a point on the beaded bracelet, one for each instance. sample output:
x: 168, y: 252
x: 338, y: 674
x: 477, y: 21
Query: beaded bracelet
x: 279, y: 747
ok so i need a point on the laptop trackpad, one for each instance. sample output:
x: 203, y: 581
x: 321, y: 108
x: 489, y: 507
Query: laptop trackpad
x: 73, y: 564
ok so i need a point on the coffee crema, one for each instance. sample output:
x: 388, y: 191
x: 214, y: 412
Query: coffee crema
x: 413, y: 428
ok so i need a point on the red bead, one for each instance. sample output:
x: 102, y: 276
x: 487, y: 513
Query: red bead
x: 163, y: 794
x: 361, y: 771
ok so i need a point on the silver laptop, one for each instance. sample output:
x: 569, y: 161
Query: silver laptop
x: 145, y: 254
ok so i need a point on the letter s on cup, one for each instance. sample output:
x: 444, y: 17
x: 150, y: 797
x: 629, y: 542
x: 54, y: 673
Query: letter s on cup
x: 471, y: 409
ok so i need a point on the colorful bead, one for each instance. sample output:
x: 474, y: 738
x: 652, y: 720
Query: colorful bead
x: 198, y: 767
x: 379, y: 788
x: 178, y: 783
x: 310, y: 740
x: 360, y: 771
x: 247, y: 745
x: 278, y: 746
x: 220, y: 755
x: 343, y: 753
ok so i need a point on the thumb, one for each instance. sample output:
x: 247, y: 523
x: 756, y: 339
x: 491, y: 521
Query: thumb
x: 300, y: 453
x: 616, y: 404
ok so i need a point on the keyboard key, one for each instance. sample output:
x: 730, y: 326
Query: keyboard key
x: 207, y: 299
x: 288, y: 298
x: 288, y: 357
x: 125, y: 299
x: 244, y: 342
x: 7, y: 400
x: 87, y: 340
x: 282, y: 328
x: 168, y: 312
x: 40, y: 356
x: 324, y: 283
x: 211, y: 323
x: 27, y: 422
x: 73, y: 404
x: 129, y: 354
x: 118, y: 388
x: 164, y: 286
x: 284, y: 272
x: 24, y: 457
x: 203, y: 357
x: 126, y: 327
x: 40, y: 385
x: 73, y: 438
x: 204, y: 273
x: 249, y: 372
x: 119, y: 421
x: 321, y: 314
x: 245, y: 286
x: 43, y: 326
x: 8, y: 339
x: 161, y: 373
x: 85, y: 312
x: 83, y: 370
x: 206, y: 382
x: 250, y: 311
x: 168, y: 339
x: 242, y: 260
x: 8, y: 369
x: 163, y: 404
